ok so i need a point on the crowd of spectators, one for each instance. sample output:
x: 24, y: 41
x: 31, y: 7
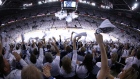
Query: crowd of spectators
x: 69, y: 59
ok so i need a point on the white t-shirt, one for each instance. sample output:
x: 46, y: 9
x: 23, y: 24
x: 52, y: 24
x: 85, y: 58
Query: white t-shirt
x: 65, y: 75
x: 81, y: 71
x: 114, y: 50
x: 125, y: 53
x: 99, y: 73
x: 73, y: 64
x: 130, y: 61
x: 18, y: 51
x: 15, y: 74
x: 39, y: 61
x: 55, y: 71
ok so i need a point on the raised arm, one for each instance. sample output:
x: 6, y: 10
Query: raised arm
x: 74, y: 57
x: 60, y: 38
x: 71, y: 37
x: 19, y: 59
x: 104, y: 62
x: 54, y: 39
x: 41, y: 55
x: 56, y: 48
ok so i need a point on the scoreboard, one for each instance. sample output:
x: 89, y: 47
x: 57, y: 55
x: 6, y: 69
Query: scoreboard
x: 69, y: 4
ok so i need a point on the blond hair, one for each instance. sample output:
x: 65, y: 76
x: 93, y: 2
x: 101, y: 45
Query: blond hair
x: 131, y: 73
x: 31, y: 72
x: 114, y: 57
x: 66, y: 64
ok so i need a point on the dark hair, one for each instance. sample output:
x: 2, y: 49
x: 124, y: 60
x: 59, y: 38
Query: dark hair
x: 2, y: 65
x: 48, y: 57
x: 88, y: 62
x: 33, y: 58
x: 3, y: 50
x: 138, y: 53
x: 131, y: 73
x: 69, y: 49
x: 48, y: 46
x: 35, y: 51
x: 23, y: 47
x: 17, y: 46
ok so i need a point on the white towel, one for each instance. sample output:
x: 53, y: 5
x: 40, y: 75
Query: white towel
x: 81, y: 34
x: 22, y: 37
x: 106, y: 23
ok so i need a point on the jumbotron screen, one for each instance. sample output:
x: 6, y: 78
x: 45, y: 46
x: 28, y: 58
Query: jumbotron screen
x: 69, y: 4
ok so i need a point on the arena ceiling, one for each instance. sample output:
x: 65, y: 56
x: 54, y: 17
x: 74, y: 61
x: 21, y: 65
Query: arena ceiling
x: 10, y: 9
x: 116, y: 4
x: 117, y: 7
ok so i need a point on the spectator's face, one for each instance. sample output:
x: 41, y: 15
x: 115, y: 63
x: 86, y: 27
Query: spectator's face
x: 7, y: 66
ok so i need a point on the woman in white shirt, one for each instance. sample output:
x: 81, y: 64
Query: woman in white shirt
x: 68, y: 67
x: 104, y: 72
x: 86, y: 67
x: 132, y: 60
x: 34, y: 59
x: 130, y: 73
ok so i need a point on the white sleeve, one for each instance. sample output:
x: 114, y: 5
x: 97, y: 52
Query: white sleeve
x: 27, y: 58
x: 127, y: 60
x: 22, y: 37
x: 74, y: 57
x: 7, y: 52
x: 36, y: 47
x: 57, y: 59
x: 23, y: 63
x: 41, y: 55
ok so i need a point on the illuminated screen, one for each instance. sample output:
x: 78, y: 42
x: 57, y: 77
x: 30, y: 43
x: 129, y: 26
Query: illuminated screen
x: 0, y: 2
x: 69, y: 4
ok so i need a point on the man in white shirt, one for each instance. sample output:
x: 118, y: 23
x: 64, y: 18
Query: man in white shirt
x: 37, y: 61
x: 132, y: 60
x: 5, y: 67
x: 55, y: 71
x: 113, y: 49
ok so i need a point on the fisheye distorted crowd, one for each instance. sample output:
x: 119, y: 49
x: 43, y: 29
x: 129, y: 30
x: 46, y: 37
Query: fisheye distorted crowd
x: 69, y: 59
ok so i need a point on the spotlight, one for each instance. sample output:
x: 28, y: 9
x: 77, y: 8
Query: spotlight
x: 135, y: 6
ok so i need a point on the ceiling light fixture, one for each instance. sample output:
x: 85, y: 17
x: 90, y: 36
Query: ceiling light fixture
x: 135, y: 6
x: 0, y: 2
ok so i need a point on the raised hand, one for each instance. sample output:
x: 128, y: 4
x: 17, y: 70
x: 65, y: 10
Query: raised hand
x: 99, y: 38
x: 17, y: 56
x: 46, y: 71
